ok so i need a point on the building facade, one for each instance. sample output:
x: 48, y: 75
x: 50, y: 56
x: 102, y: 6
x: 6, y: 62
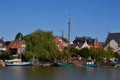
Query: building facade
x: 60, y: 43
x: 87, y: 42
x: 17, y: 46
x: 113, y: 41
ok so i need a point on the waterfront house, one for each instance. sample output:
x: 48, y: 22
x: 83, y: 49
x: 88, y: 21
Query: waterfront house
x: 2, y: 45
x: 113, y: 41
x: 17, y: 46
x: 60, y: 43
x: 80, y: 46
x: 86, y: 42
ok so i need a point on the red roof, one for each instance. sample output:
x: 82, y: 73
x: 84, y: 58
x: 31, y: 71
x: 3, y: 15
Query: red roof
x: 16, y: 44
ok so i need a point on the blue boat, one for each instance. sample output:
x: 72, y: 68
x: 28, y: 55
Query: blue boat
x: 16, y: 62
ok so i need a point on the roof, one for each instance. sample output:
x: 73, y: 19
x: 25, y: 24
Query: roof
x: 16, y: 44
x: 89, y: 40
x: 113, y: 36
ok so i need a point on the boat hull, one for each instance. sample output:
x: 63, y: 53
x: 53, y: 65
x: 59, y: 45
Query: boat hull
x: 62, y: 64
x: 20, y: 64
x: 90, y: 65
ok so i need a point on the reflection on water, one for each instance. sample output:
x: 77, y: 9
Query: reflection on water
x: 58, y: 73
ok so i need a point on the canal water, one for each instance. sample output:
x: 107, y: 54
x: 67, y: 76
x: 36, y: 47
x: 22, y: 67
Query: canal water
x: 59, y: 73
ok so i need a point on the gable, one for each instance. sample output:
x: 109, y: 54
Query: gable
x: 77, y: 47
x: 113, y: 44
x: 85, y: 45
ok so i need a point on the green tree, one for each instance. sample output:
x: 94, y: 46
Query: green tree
x: 19, y: 36
x: 64, y: 39
x: 66, y: 54
x: 41, y: 45
x: 85, y: 52
x: 6, y: 55
x: 116, y: 55
x: 74, y: 52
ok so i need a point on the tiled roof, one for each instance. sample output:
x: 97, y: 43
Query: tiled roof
x: 15, y: 44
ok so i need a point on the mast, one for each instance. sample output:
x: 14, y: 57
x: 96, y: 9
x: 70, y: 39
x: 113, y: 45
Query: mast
x: 62, y: 33
x: 69, y: 30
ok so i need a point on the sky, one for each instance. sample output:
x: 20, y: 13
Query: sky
x: 93, y: 18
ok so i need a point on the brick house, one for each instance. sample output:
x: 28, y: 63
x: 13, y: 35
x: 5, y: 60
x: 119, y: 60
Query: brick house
x: 17, y: 46
x: 60, y: 43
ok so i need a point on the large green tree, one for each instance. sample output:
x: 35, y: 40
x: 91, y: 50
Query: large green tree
x: 40, y: 44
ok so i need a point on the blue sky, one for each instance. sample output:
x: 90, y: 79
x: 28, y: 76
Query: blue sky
x: 92, y: 18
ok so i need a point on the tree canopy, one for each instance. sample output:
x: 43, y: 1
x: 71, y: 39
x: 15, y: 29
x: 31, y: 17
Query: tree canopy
x: 40, y: 44
x: 6, y: 55
x: 19, y: 36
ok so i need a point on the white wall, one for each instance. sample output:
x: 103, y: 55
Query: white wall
x: 114, y: 45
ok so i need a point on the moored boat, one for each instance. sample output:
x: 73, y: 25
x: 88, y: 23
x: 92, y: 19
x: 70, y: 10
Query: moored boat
x: 117, y: 65
x: 90, y: 64
x: 16, y: 62
x: 62, y: 64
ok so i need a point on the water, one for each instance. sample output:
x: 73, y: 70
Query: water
x: 59, y: 73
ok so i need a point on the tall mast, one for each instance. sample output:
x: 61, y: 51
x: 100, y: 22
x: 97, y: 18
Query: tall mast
x: 62, y: 33
x: 69, y: 30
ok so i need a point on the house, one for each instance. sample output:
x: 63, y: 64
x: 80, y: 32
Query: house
x: 17, y: 46
x: 81, y: 46
x: 113, y: 41
x: 2, y: 45
x: 60, y: 43
x: 86, y: 42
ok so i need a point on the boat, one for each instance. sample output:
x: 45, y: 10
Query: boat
x: 38, y: 64
x: 117, y: 65
x: 62, y: 64
x: 16, y: 62
x: 46, y: 64
x: 90, y: 64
